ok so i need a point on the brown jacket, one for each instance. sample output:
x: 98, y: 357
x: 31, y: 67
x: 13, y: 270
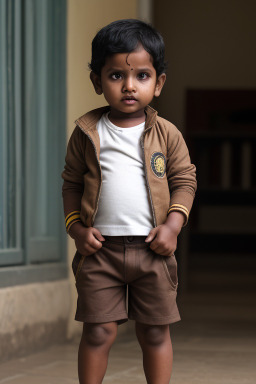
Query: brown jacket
x: 170, y: 176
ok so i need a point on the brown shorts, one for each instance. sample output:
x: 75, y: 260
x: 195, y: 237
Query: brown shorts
x: 126, y: 265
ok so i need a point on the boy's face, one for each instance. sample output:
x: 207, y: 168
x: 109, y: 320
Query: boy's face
x: 129, y: 82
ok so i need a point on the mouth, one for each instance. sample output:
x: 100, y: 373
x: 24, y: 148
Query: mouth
x: 129, y: 99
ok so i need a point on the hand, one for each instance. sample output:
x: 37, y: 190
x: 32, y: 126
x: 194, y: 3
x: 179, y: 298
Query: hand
x: 163, y: 240
x: 87, y: 240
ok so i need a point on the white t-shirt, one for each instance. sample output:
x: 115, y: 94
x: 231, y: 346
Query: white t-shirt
x: 124, y: 206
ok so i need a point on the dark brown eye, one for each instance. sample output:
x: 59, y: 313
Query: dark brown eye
x: 116, y: 76
x: 143, y: 76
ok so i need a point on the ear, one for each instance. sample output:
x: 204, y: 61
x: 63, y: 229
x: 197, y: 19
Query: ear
x: 159, y: 84
x: 96, y: 81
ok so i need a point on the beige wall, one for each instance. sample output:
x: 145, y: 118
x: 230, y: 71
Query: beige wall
x: 85, y: 18
x: 209, y: 44
x: 32, y: 316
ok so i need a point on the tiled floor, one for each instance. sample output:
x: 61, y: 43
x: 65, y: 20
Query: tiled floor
x: 214, y: 344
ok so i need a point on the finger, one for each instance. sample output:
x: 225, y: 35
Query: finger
x: 85, y: 252
x: 151, y: 236
x: 154, y: 248
x: 163, y: 252
x: 97, y: 234
x: 168, y: 254
x: 92, y: 244
x: 93, y: 240
x: 157, y: 250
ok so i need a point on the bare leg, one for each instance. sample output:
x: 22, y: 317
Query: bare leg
x: 156, y: 345
x: 95, y: 344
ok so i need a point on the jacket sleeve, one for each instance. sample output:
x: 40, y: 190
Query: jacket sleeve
x: 73, y: 185
x: 181, y: 176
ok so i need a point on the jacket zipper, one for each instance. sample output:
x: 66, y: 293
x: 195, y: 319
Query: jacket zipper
x: 99, y: 190
x: 145, y: 169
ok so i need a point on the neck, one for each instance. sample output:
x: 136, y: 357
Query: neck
x: 126, y: 120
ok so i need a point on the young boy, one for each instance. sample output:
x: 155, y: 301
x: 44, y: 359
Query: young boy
x: 128, y: 190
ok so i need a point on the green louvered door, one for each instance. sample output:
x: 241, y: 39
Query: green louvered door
x: 45, y: 126
x: 32, y: 130
x: 11, y: 161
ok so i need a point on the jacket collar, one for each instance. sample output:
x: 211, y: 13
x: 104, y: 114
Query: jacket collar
x: 89, y: 120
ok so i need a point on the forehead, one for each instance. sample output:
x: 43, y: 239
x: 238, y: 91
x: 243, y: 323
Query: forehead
x: 138, y: 58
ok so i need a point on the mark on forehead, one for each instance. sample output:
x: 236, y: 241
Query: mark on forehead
x: 127, y: 61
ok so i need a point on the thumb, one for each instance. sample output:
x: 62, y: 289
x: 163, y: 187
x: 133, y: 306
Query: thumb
x: 151, y: 235
x: 97, y: 234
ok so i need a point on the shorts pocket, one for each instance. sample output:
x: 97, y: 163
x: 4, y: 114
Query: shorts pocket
x: 77, y: 264
x: 171, y: 270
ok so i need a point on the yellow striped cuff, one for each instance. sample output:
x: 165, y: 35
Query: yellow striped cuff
x: 70, y: 214
x: 72, y: 218
x: 73, y: 222
x: 179, y: 208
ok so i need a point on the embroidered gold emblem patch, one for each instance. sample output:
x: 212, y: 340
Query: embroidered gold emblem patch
x: 158, y: 164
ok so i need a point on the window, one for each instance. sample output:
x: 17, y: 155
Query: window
x: 32, y: 139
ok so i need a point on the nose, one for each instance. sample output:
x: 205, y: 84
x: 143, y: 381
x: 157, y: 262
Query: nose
x: 129, y: 85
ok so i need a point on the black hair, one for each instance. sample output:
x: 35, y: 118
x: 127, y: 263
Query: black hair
x: 124, y: 36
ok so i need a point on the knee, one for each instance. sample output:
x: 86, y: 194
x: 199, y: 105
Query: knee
x: 98, y: 335
x: 152, y: 334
